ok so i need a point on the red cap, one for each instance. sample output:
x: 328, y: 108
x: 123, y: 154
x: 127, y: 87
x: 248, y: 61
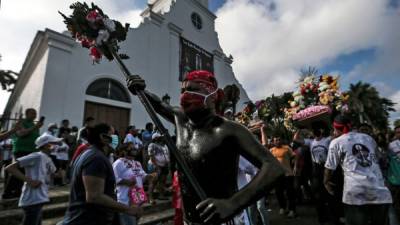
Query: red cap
x: 202, y: 76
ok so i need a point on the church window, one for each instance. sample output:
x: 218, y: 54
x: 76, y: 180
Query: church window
x: 108, y: 88
x: 196, y: 21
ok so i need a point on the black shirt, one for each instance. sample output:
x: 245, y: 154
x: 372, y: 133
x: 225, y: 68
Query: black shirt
x: 92, y: 162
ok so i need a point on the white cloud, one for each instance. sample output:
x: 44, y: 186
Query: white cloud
x: 20, y: 20
x: 271, y: 41
x: 396, y: 99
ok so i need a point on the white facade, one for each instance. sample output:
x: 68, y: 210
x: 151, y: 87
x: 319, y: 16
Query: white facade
x: 58, y: 71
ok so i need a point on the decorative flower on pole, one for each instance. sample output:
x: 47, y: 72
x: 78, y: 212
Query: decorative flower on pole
x: 95, y: 30
x: 316, y: 99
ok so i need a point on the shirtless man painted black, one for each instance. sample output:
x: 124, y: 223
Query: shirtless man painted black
x: 211, y: 145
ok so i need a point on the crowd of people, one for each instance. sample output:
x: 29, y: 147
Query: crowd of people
x: 350, y: 174
x: 38, y: 161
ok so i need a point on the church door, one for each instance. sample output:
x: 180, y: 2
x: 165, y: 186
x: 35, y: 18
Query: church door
x: 115, y: 116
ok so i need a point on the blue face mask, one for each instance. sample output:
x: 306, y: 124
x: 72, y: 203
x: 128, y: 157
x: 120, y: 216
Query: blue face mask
x: 54, y: 131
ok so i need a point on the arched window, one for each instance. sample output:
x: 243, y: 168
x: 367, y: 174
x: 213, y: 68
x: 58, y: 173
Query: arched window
x: 108, y: 88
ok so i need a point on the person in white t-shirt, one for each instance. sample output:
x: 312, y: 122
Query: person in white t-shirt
x: 394, y: 152
x: 327, y: 207
x: 129, y: 173
x: 38, y: 169
x: 159, y: 158
x: 5, y: 155
x: 132, y: 138
x: 59, y: 155
x: 365, y: 195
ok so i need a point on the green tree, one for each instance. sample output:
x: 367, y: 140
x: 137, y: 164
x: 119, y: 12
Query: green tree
x: 8, y: 79
x: 276, y: 116
x: 367, y: 106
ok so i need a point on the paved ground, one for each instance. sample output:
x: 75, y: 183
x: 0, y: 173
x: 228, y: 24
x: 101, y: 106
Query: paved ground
x: 306, y: 213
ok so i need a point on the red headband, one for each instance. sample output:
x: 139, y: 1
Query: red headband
x: 202, y: 76
x: 345, y: 128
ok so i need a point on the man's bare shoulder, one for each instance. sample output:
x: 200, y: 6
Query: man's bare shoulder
x: 234, y: 127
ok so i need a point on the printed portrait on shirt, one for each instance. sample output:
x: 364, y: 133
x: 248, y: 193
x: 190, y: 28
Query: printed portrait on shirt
x: 363, y: 155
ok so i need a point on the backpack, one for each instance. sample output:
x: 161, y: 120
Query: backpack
x: 394, y: 168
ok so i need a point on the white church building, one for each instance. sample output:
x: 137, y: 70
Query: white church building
x: 59, y: 80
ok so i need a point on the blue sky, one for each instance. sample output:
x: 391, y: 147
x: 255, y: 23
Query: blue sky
x: 270, y: 40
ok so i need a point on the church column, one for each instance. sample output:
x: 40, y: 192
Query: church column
x: 174, y: 51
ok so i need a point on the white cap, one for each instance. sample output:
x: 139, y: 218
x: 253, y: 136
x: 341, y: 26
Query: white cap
x: 155, y: 135
x: 229, y: 110
x: 52, y: 125
x: 45, y: 139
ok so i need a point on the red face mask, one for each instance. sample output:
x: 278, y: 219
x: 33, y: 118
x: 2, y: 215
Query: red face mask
x: 194, y: 101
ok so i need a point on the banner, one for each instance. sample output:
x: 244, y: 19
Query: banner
x: 194, y: 57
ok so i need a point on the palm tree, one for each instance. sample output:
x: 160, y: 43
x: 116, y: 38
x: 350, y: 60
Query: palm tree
x: 7, y: 79
x: 367, y: 106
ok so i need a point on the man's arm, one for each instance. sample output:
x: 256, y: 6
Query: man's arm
x: 331, y: 164
x: 13, y: 169
x: 94, y: 187
x: 270, y: 171
x: 297, y: 139
x: 165, y: 110
x: 7, y: 134
x: 270, y: 168
x: 329, y: 185
x: 26, y: 131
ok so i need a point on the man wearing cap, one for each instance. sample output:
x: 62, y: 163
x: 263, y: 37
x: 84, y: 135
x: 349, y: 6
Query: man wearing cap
x: 365, y: 195
x: 38, y: 168
x: 59, y: 155
x: 211, y: 146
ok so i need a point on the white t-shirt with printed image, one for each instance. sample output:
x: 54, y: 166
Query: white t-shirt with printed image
x: 127, y: 169
x: 160, y: 154
x: 38, y: 166
x: 318, y: 149
x: 394, y: 146
x: 363, y: 180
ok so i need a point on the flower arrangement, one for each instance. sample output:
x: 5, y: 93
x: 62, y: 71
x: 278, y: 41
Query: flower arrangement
x: 316, y: 96
x: 95, y: 30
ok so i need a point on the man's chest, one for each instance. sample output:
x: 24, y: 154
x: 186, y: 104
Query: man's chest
x: 199, y: 144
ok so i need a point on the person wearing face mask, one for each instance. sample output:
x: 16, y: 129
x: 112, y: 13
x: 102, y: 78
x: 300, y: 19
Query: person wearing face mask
x: 129, y: 174
x: 92, y: 196
x: 211, y: 146
x: 38, y: 168
x: 159, y: 159
x: 133, y: 138
x: 59, y: 156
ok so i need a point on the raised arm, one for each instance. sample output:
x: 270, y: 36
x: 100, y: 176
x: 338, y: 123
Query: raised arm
x: 165, y: 110
x: 26, y: 131
x: 7, y: 134
x: 297, y: 138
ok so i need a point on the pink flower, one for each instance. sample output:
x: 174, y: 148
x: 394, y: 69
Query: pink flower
x: 93, y: 16
x: 86, y: 43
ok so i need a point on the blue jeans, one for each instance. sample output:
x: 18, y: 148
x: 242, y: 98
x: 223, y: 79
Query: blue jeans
x: 262, y: 210
x: 126, y: 219
x: 32, y: 214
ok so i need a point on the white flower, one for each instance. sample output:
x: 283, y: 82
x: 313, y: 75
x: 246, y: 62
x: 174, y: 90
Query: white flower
x: 109, y: 24
x: 102, y: 37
